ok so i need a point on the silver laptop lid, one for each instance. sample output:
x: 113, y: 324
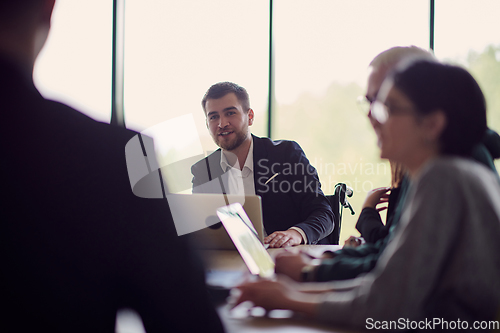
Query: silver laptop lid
x: 199, y: 211
x: 245, y: 238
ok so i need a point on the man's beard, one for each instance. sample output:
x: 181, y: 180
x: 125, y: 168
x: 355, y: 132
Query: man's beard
x: 241, y: 136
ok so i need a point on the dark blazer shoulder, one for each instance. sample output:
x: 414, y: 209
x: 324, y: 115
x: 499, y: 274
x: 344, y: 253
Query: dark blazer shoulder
x: 74, y: 120
x: 274, y: 143
x: 276, y: 146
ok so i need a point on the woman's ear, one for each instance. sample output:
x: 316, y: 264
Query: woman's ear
x: 434, y: 125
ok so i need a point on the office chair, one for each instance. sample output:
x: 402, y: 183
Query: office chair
x: 338, y: 201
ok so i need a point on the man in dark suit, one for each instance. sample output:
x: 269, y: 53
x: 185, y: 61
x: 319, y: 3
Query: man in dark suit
x: 295, y: 211
x: 75, y: 243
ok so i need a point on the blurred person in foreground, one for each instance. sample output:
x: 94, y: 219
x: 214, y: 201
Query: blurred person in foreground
x: 442, y: 261
x: 76, y: 245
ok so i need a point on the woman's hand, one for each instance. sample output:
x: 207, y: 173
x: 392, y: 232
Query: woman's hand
x: 353, y: 241
x: 376, y: 197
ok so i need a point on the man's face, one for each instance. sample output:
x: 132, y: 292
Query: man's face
x: 228, y: 122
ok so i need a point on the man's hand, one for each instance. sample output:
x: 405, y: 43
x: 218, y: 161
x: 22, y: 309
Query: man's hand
x: 291, y: 265
x: 283, y: 238
x: 279, y: 294
x: 377, y: 196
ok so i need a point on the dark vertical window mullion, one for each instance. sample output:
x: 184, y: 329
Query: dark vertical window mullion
x: 431, y: 25
x: 117, y: 80
x: 271, y: 73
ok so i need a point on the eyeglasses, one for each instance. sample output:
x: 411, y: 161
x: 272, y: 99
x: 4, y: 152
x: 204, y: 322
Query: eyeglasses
x: 364, y: 104
x: 381, y: 112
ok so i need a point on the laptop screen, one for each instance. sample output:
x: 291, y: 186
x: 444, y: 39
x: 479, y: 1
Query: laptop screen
x: 245, y: 238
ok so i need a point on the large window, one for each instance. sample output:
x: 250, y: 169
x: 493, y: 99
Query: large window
x: 467, y: 34
x: 74, y: 67
x: 323, y: 49
x: 176, y: 49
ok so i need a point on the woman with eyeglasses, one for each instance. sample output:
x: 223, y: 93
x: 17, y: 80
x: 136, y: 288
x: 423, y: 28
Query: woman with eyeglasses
x: 442, y: 263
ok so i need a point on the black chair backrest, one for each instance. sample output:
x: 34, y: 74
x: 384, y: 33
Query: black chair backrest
x: 333, y: 238
x: 338, y: 201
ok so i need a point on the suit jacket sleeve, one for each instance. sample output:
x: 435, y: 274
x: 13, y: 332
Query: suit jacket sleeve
x: 315, y: 211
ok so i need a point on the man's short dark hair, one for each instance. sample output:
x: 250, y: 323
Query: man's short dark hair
x: 221, y: 89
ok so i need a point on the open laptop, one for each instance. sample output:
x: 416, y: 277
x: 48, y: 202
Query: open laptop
x: 199, y: 212
x: 245, y: 238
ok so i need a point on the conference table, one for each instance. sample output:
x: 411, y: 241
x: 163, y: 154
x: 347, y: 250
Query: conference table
x: 251, y: 321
